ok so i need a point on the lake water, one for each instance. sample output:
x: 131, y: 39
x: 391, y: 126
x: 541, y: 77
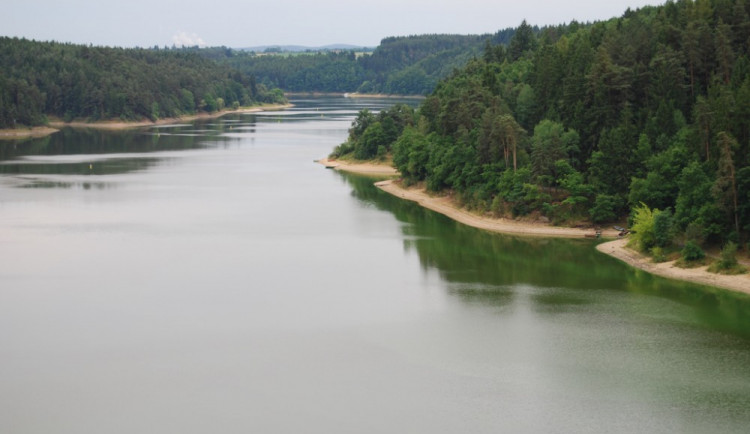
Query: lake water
x: 210, y: 278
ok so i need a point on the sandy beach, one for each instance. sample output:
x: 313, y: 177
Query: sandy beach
x: 361, y: 168
x: 120, y: 125
x: 616, y: 248
x: 353, y: 95
x: 20, y: 133
x: 55, y: 124
x: 446, y: 206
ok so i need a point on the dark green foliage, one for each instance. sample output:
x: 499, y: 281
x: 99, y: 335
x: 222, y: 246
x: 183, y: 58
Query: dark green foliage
x: 605, y: 208
x: 695, y: 202
x: 588, y: 121
x: 374, y: 135
x: 77, y: 81
x: 367, y: 146
x: 550, y: 144
x: 692, y: 252
x: 410, y: 65
x: 663, y: 233
x: 523, y: 41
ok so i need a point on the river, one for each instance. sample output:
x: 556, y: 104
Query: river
x: 210, y: 277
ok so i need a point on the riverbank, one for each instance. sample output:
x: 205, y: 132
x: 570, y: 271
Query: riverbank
x: 619, y: 250
x: 121, y: 125
x: 380, y: 169
x: 22, y: 133
x: 352, y: 95
x: 54, y: 125
x: 447, y: 206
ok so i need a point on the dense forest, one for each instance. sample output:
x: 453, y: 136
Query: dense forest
x: 84, y: 82
x: 645, y: 115
x: 410, y: 65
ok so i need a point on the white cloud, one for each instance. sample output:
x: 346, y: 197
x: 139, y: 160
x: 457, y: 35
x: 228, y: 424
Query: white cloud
x: 185, y: 39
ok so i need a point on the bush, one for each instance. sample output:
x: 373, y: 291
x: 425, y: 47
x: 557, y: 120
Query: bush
x: 729, y: 255
x: 692, y: 252
x: 727, y: 264
x: 643, y: 234
x: 604, y: 209
x: 657, y: 255
x: 341, y: 150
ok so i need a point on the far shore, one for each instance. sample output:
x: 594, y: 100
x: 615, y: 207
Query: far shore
x: 22, y: 133
x: 122, y: 125
x: 55, y: 124
x: 616, y: 248
x: 355, y: 95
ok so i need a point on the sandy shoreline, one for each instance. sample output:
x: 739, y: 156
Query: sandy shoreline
x: 56, y: 124
x: 121, y: 125
x: 361, y: 168
x: 445, y: 206
x: 353, y: 95
x: 616, y: 248
x: 21, y: 133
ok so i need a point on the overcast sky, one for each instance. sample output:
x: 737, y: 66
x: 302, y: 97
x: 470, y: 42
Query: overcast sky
x: 244, y: 23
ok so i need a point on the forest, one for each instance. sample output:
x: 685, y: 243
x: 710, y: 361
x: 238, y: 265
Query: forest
x: 409, y: 65
x: 645, y: 116
x: 92, y: 83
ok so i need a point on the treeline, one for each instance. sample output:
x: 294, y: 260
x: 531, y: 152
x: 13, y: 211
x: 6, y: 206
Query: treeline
x: 586, y: 123
x: 85, y: 82
x: 410, y: 65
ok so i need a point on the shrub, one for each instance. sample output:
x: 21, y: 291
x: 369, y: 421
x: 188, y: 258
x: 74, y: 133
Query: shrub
x: 729, y: 255
x: 657, y: 255
x: 643, y: 228
x: 604, y: 208
x: 727, y: 263
x: 342, y: 149
x: 692, y: 252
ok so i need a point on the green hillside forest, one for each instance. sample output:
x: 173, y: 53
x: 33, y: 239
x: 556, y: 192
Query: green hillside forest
x: 92, y: 83
x: 409, y: 65
x: 646, y: 115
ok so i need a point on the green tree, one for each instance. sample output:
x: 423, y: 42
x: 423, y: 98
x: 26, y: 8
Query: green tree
x: 663, y: 233
x: 725, y: 187
x: 549, y: 144
x: 410, y: 154
x: 372, y: 138
x: 523, y: 41
x: 643, y: 234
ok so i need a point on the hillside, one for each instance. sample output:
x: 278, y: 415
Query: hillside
x: 92, y: 83
x: 645, y: 115
x: 409, y: 65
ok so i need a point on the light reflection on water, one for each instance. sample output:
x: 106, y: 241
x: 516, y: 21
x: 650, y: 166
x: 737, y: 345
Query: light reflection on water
x: 210, y: 277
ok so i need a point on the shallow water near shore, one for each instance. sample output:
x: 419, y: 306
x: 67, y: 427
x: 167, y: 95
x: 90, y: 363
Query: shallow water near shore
x: 209, y: 277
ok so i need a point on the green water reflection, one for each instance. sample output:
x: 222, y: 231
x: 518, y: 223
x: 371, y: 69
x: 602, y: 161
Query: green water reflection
x: 486, y: 268
x: 97, y: 152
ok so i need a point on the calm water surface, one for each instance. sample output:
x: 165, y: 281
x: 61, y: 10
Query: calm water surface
x: 209, y: 277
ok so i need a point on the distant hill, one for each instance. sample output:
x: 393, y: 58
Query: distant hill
x: 408, y: 65
x: 71, y: 81
x: 303, y: 48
